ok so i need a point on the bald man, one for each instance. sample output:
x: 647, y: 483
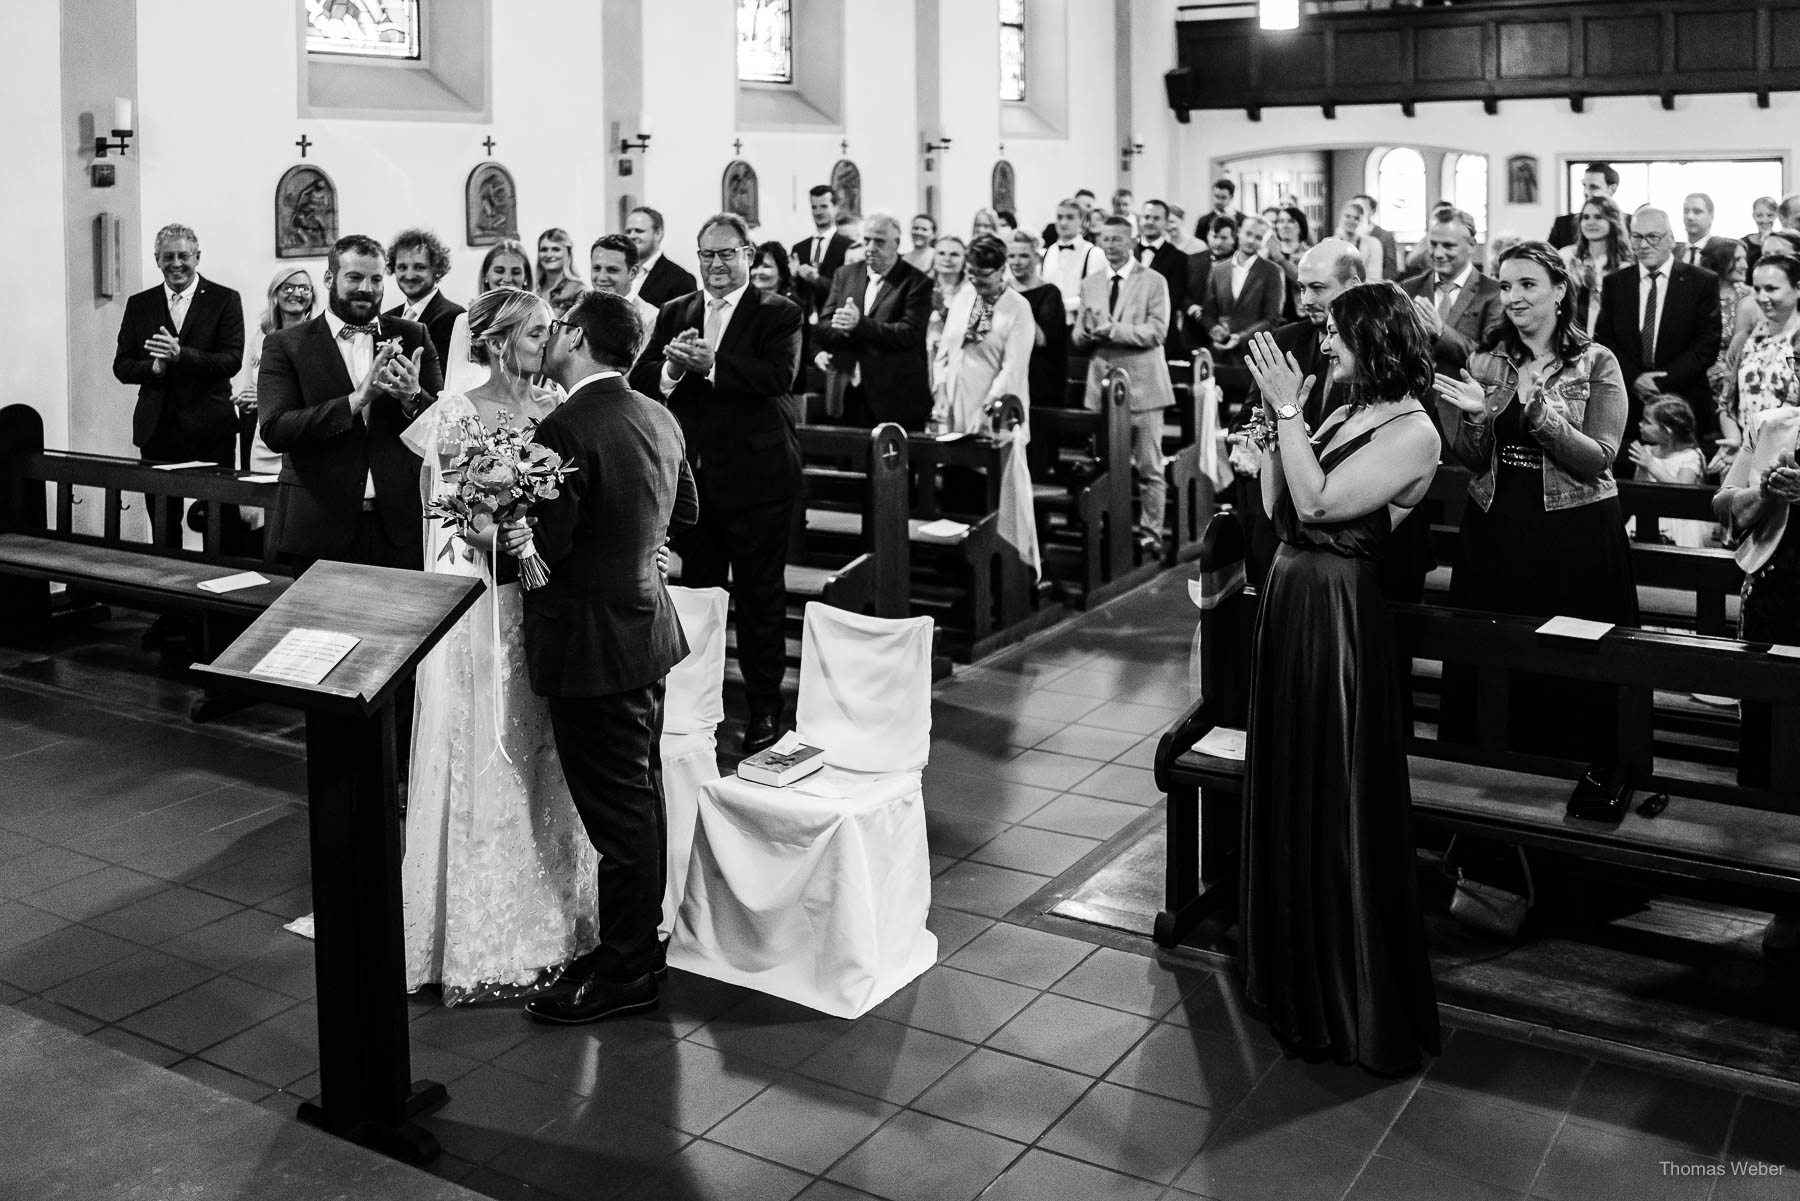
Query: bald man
x: 1660, y: 318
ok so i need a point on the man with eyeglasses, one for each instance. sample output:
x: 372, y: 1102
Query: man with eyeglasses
x: 873, y: 331
x: 1660, y: 318
x: 724, y: 358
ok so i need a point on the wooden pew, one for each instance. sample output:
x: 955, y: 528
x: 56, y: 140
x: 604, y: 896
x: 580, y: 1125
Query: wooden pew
x: 1715, y: 840
x: 865, y: 473
x: 1192, y: 500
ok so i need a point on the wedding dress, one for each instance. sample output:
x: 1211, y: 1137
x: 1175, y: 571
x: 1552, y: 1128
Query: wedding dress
x: 498, y: 876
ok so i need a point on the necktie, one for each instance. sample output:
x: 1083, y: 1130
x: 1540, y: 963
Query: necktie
x: 1647, y: 333
x: 178, y: 310
x: 1112, y: 300
x: 1446, y: 292
x: 350, y: 331
x: 409, y: 314
x: 715, y: 322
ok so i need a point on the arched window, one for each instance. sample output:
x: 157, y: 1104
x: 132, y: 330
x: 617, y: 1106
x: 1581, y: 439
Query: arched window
x: 1400, y: 190
x: 1012, y: 49
x: 765, y: 41
x: 1469, y: 190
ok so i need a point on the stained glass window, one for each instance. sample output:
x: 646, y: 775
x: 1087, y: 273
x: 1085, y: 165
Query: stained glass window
x: 367, y: 28
x: 1401, y: 193
x: 765, y: 51
x: 1012, y: 49
x: 1471, y: 181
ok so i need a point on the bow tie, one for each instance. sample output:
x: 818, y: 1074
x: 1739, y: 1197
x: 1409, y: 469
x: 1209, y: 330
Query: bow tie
x: 350, y: 331
x: 1065, y: 245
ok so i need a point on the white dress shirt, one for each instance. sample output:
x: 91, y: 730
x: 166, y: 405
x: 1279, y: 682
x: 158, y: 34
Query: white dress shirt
x: 669, y: 379
x: 1066, y: 264
x: 179, y: 303
x: 358, y: 353
x: 414, y: 308
x: 1147, y: 250
x: 1662, y: 298
x: 637, y: 282
x: 1240, y: 271
x: 585, y: 380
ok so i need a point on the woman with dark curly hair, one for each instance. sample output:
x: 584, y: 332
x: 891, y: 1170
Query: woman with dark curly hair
x: 1538, y: 419
x: 1333, y: 940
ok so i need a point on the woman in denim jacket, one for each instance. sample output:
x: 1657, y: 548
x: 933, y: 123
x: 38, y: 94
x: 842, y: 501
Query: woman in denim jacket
x: 1538, y: 420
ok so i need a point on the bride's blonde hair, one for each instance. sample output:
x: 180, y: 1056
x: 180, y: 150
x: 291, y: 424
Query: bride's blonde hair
x: 498, y: 314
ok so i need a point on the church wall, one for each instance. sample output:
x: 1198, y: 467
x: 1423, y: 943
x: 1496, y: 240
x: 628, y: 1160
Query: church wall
x: 1635, y: 126
x: 33, y: 312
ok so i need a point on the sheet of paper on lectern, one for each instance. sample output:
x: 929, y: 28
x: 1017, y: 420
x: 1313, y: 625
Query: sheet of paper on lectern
x: 305, y: 656
x: 262, y: 479
x: 231, y: 583
x: 1222, y: 742
x: 183, y: 466
x: 1785, y: 652
x: 943, y: 527
x: 1576, y: 627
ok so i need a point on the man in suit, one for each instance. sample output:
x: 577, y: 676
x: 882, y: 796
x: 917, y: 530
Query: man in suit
x: 1083, y: 201
x: 1600, y: 179
x: 1221, y: 234
x: 418, y: 260
x: 873, y: 328
x: 1069, y: 258
x: 601, y: 636
x: 1224, y: 204
x: 1155, y: 251
x: 817, y: 259
x: 334, y: 395
x: 614, y: 260
x: 180, y: 343
x: 1661, y: 319
x: 725, y: 358
x: 1123, y: 323
x: 1243, y: 298
x: 1461, y: 307
x: 659, y: 281
x: 1697, y: 222
x: 1390, y: 251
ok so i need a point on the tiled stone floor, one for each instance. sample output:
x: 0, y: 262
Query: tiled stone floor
x: 146, y: 868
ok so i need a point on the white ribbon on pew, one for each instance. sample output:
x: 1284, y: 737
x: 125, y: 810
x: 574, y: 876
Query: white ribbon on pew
x: 1017, y: 522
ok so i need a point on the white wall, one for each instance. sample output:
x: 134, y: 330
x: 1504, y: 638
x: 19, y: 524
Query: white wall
x: 33, y: 368
x: 1634, y: 126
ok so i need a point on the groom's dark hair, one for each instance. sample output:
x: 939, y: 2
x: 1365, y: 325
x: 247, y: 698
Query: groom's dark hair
x: 609, y: 324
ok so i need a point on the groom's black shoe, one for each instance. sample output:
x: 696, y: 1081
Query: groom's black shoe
x: 594, y: 998
x: 763, y: 730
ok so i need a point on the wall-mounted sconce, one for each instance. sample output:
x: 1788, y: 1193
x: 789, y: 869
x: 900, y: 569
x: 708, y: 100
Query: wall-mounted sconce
x: 122, y: 131
x: 1134, y: 146
x: 942, y: 144
x: 627, y: 145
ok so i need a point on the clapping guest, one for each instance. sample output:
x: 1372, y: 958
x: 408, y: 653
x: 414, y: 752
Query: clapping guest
x: 771, y: 276
x: 875, y: 333
x: 1761, y: 367
x: 1070, y: 258
x: 1762, y: 211
x: 1243, y: 298
x: 1668, y: 452
x: 1539, y: 422
x: 558, y: 277
x: 613, y: 261
x: 985, y: 354
x: 1049, y: 372
x: 1458, y: 304
x: 924, y: 235
x: 1728, y: 259
x: 1221, y: 234
x: 816, y: 259
x: 418, y: 261
x: 1600, y: 250
x: 291, y: 300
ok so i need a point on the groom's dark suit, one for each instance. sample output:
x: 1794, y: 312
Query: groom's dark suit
x: 601, y: 636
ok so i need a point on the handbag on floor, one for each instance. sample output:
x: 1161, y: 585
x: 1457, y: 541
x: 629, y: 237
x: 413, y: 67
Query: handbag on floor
x: 1488, y: 907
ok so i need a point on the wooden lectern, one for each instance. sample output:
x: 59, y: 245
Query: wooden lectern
x: 366, y: 1090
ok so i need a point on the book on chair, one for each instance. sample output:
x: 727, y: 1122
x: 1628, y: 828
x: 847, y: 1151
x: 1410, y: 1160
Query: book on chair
x: 782, y: 764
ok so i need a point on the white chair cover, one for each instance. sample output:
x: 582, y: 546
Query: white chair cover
x: 693, y: 706
x: 818, y: 892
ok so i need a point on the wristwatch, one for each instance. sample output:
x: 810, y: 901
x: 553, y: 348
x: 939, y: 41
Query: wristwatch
x: 1288, y: 412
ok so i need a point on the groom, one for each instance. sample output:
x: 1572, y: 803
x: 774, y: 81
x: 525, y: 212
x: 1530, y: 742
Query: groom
x: 601, y: 636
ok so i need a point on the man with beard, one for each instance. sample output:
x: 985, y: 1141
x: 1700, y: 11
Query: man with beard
x: 334, y: 395
x: 417, y: 260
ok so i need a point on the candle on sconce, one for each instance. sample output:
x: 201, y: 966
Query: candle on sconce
x: 121, y: 118
x: 643, y: 124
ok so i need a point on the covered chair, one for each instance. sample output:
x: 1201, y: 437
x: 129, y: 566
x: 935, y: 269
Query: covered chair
x: 818, y: 892
x: 693, y: 707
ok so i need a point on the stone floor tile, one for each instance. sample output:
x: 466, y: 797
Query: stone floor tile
x: 61, y: 955
x: 1387, y: 1179
x: 771, y: 1030
x: 1077, y: 1035
x: 1484, y: 1065
x: 279, y: 1050
x: 1088, y: 817
x: 232, y: 941
x: 1193, y: 1066
x: 985, y: 794
x: 481, y: 1032
x: 1004, y: 1094
x: 1120, y: 782
x: 954, y: 928
x: 206, y: 1014
x: 96, y: 892
x: 21, y: 924
x: 805, y: 1124
x: 1590, y: 1163
x: 955, y: 833
x: 1139, y: 1134
x: 984, y: 889
x: 59, y: 1015
x: 1041, y: 1176
x: 1327, y: 1101
x: 1135, y: 983
x: 161, y: 916
x: 491, y: 1110
x: 1089, y: 742
x: 1689, y: 1116
x: 1473, y: 1137
x: 1767, y: 1133
x: 131, y: 984
x: 216, y: 1077
x: 958, y: 1005
x: 686, y: 1085
x: 1026, y: 849
x: 1142, y: 720
x: 1034, y: 958
x: 1042, y: 769
x: 43, y: 868
x: 885, y: 1059
x: 595, y: 1149
x: 289, y: 968
x: 916, y: 1157
x: 1243, y: 1163
x: 707, y: 1171
x: 582, y: 1059
x: 137, y: 1048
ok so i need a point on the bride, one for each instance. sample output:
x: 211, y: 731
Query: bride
x: 499, y: 875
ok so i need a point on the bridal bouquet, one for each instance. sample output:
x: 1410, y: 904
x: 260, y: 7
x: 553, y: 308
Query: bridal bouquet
x: 496, y: 478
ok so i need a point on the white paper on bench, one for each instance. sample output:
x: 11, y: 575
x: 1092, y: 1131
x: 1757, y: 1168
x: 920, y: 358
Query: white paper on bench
x: 183, y: 466
x: 1785, y: 652
x: 943, y: 527
x: 1222, y: 742
x: 231, y: 583
x: 305, y: 656
x: 262, y: 479
x: 955, y: 435
x: 1576, y: 627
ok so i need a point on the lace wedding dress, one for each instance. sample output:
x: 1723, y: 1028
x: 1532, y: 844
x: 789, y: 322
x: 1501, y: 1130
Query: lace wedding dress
x: 498, y: 875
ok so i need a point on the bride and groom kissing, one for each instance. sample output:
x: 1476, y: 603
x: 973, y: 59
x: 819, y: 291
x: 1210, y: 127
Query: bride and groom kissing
x: 540, y: 717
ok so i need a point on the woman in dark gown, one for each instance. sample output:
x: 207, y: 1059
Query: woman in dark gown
x: 1538, y: 421
x: 1333, y: 939
x: 1049, y: 373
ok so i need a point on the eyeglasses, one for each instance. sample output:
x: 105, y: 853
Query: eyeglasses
x: 721, y: 256
x: 296, y: 289
x: 1648, y: 239
x: 558, y: 321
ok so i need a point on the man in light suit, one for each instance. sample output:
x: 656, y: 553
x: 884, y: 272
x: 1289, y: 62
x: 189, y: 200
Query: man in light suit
x: 1660, y: 319
x: 817, y: 259
x: 1243, y: 298
x: 1124, y: 321
x: 601, y: 636
x: 873, y: 331
x: 1460, y: 306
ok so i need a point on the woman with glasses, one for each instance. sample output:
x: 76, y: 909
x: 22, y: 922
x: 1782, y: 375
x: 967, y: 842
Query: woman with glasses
x: 498, y: 876
x: 1538, y: 418
x: 291, y: 300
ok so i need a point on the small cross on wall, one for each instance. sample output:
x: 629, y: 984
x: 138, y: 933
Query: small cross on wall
x: 489, y: 143
x: 844, y: 146
x: 304, y: 143
x: 737, y: 146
